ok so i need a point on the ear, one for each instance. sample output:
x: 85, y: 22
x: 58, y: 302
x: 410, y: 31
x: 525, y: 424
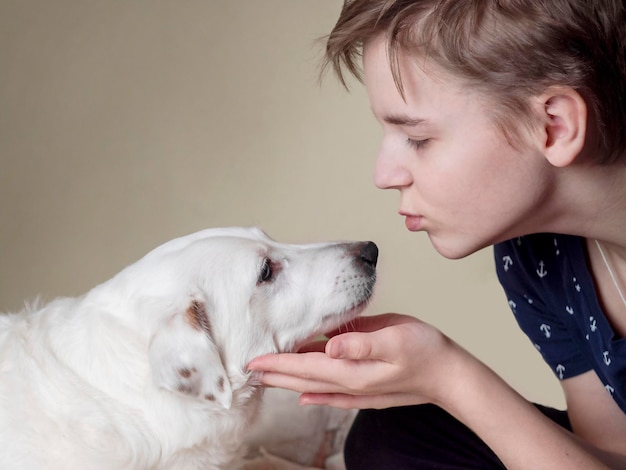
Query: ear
x: 184, y: 358
x: 565, y: 114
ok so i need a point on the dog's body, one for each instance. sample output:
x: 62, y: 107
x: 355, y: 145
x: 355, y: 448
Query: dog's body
x: 148, y: 370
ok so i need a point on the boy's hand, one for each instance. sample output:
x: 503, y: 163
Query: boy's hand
x: 382, y: 361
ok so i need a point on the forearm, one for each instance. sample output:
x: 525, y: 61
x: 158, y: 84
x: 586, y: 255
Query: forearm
x: 513, y: 428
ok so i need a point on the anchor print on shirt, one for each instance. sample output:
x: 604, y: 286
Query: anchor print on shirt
x: 507, y: 262
x: 560, y: 370
x: 541, y: 271
x: 606, y: 358
x: 513, y: 306
x: 546, y: 330
x: 593, y: 326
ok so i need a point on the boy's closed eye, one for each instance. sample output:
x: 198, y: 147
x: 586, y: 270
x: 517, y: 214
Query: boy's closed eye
x: 417, y: 143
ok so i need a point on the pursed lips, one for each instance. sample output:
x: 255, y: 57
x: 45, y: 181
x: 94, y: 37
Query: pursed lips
x: 413, y: 222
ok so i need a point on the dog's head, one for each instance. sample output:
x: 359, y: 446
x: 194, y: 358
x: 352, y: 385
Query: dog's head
x: 225, y: 296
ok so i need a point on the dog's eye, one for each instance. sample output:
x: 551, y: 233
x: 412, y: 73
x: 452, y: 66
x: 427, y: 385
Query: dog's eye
x: 266, y: 271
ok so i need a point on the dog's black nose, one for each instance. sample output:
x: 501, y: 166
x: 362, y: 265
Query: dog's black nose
x: 369, y: 253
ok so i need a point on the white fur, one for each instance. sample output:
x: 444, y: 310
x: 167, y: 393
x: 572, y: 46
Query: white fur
x: 131, y: 376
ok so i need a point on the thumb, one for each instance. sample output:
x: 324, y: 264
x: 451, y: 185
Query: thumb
x: 356, y: 346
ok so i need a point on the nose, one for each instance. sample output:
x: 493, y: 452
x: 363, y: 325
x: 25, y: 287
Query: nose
x: 369, y: 254
x: 389, y: 172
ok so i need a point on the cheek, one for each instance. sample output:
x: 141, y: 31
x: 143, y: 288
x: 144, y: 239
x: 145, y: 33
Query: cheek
x: 469, y: 184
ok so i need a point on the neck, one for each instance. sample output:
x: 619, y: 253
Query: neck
x: 590, y: 201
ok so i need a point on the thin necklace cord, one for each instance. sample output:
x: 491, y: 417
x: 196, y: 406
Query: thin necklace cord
x: 608, y: 267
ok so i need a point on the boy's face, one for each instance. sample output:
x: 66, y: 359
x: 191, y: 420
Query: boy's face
x: 458, y: 177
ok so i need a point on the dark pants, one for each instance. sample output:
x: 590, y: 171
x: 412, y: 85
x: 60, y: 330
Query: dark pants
x: 421, y: 437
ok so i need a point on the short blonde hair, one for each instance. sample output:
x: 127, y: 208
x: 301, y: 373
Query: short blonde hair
x: 510, y: 50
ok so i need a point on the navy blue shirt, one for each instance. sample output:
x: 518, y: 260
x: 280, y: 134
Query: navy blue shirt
x: 549, y: 287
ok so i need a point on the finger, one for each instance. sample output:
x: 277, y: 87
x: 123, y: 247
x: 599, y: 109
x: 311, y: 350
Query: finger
x: 347, y: 401
x: 381, y: 345
x: 317, y: 373
x: 298, y: 384
x: 288, y: 363
x: 315, y: 366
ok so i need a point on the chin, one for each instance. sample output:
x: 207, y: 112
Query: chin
x: 452, y: 248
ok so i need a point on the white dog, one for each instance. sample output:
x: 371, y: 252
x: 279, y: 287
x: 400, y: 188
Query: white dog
x: 148, y: 370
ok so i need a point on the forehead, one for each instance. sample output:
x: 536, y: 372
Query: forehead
x: 429, y: 93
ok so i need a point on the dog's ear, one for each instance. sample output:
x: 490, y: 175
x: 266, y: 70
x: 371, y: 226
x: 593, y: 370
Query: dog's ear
x: 184, y: 358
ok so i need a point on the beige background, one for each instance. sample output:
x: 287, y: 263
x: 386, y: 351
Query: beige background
x: 126, y: 123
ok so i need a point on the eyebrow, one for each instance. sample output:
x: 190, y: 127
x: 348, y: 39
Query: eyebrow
x: 402, y: 120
